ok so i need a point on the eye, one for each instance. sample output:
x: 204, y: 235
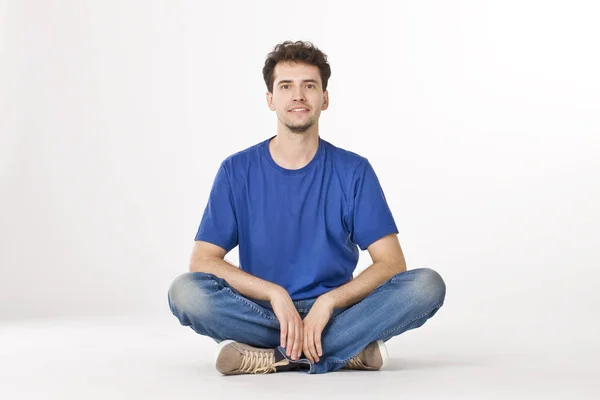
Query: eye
x: 284, y: 86
x: 310, y: 84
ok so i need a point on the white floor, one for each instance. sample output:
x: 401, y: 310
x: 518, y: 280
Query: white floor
x: 159, y: 359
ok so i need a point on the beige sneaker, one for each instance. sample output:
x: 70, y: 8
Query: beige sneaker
x: 371, y: 358
x: 235, y: 358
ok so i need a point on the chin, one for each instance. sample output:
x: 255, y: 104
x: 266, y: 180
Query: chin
x: 299, y: 129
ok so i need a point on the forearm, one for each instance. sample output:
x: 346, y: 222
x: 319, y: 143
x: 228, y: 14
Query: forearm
x: 361, y: 286
x: 248, y: 285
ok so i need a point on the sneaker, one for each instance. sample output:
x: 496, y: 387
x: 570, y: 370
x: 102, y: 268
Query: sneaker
x: 235, y: 358
x: 371, y: 358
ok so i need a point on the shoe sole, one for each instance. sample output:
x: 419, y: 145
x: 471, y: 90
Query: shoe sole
x: 219, y: 348
x: 384, y: 354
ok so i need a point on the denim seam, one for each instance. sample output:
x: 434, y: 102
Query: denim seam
x: 410, y: 322
x: 228, y: 289
x: 398, y: 276
x: 390, y: 331
x: 249, y: 304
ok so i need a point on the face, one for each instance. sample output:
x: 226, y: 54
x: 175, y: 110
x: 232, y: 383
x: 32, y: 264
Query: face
x: 297, y: 85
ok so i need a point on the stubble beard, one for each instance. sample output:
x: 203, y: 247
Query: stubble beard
x: 300, y: 128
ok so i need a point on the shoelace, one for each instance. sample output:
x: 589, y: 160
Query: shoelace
x: 256, y: 362
x: 355, y: 363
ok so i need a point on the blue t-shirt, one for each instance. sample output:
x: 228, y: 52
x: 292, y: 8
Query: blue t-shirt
x: 297, y: 228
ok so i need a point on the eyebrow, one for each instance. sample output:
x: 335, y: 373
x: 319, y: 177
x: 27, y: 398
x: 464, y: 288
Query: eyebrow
x: 290, y: 81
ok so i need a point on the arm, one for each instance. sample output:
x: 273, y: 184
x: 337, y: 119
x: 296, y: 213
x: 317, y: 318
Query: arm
x: 209, y: 258
x: 369, y: 218
x: 388, y: 260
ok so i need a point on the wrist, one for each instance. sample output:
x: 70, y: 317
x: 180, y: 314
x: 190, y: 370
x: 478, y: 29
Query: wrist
x: 273, y: 290
x: 328, y: 299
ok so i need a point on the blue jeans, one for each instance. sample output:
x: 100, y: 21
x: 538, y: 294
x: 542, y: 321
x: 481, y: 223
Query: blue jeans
x: 213, y: 308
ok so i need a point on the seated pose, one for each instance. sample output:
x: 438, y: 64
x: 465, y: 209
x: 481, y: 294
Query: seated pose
x: 300, y: 209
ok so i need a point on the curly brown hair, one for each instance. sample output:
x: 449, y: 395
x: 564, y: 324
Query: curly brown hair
x: 299, y: 51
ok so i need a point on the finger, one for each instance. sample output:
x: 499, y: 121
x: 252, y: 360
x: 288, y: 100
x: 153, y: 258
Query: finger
x: 298, y: 341
x: 318, y: 346
x: 311, y: 346
x: 290, y: 339
x: 305, y: 348
x: 283, y: 334
x: 307, y: 351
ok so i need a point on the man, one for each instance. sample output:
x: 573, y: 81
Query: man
x: 299, y: 207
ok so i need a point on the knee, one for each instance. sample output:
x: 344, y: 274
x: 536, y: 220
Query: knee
x: 427, y: 287
x: 189, y: 293
x: 431, y: 286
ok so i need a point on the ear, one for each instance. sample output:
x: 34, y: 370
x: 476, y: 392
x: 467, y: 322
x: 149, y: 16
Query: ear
x: 269, y: 96
x: 325, y: 100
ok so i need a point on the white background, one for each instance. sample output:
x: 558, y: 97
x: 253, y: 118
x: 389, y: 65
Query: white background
x: 481, y: 119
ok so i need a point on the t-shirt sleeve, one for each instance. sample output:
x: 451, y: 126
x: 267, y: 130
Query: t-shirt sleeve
x: 219, y: 224
x: 371, y: 215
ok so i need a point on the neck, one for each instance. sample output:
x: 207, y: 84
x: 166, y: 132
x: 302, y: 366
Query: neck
x: 294, y: 150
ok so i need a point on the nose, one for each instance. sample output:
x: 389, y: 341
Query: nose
x: 299, y: 94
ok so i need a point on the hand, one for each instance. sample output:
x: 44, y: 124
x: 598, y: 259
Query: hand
x: 315, y: 321
x: 290, y: 323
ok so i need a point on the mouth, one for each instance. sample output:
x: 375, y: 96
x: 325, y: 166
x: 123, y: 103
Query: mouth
x: 299, y: 111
